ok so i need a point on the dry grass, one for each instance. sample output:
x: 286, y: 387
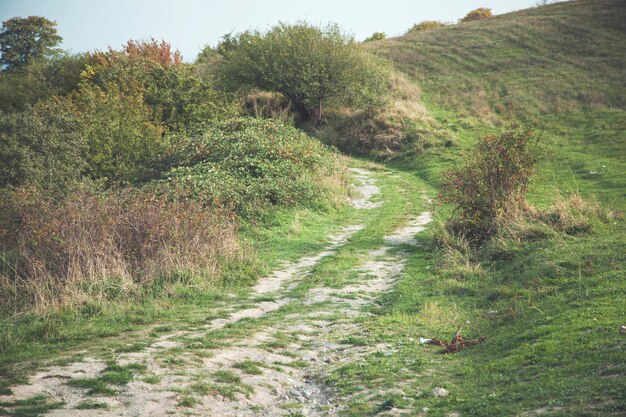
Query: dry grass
x: 385, y: 131
x: 568, y: 215
x: 269, y: 105
x: 94, y: 247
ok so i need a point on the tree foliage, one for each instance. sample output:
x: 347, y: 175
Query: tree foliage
x: 376, y: 36
x: 25, y: 39
x: 307, y: 64
x: 173, y: 90
x: 41, y: 146
x: 23, y: 87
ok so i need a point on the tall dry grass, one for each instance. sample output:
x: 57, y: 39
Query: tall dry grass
x: 384, y: 131
x: 110, y: 246
x: 569, y: 215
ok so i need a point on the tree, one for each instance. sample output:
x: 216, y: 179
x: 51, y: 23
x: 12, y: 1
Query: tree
x: 25, y: 39
x: 41, y: 146
x: 173, y: 90
x: 376, y: 36
x: 305, y: 63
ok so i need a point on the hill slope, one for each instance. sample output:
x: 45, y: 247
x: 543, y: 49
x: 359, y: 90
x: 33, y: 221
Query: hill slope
x: 550, y: 304
x: 560, y: 69
x: 553, y: 59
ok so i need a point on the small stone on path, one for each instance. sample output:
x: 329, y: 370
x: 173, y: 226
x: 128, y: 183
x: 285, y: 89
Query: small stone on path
x: 440, y: 392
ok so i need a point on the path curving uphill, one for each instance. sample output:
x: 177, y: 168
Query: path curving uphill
x: 266, y: 354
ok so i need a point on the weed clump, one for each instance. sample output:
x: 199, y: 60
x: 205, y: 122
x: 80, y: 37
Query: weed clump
x: 251, y: 165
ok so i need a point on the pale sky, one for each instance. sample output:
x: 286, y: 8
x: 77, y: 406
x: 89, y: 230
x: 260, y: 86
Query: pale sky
x: 188, y: 25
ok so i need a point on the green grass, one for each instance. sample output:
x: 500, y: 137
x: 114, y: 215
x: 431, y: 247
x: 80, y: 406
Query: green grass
x: 91, y: 405
x: 227, y: 377
x: 187, y: 401
x: 113, y: 374
x: 151, y: 379
x: 31, y: 407
x: 550, y: 60
x: 550, y: 307
x: 249, y: 367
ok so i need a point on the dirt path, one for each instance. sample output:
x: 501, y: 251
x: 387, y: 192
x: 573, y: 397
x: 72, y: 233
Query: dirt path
x: 266, y: 355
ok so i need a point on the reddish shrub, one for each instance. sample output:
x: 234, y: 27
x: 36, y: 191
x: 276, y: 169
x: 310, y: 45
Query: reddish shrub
x: 492, y: 184
x: 106, y: 244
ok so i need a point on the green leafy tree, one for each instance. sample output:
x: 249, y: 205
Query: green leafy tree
x: 177, y: 96
x: 376, y: 36
x: 25, y: 39
x: 307, y: 64
x: 25, y: 86
x: 123, y: 145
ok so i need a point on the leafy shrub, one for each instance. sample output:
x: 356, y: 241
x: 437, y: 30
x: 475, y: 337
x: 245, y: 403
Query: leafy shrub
x: 491, y: 187
x: 41, y: 146
x: 425, y: 25
x: 24, y: 86
x: 376, y: 36
x: 570, y: 215
x: 122, y: 144
x: 477, y: 14
x: 104, y: 245
x: 250, y: 164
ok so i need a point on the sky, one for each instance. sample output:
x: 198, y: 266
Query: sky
x: 87, y: 25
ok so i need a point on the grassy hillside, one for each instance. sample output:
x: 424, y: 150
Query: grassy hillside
x: 558, y: 69
x: 554, y: 59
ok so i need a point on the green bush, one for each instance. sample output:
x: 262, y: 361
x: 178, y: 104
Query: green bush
x: 250, y: 164
x: 41, y: 146
x: 306, y: 64
x: 489, y: 190
x: 176, y: 95
x: 376, y: 36
x: 122, y: 144
x: 26, y: 85
x: 477, y: 14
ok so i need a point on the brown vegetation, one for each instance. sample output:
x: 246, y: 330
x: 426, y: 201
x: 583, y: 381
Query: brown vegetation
x: 107, y: 246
